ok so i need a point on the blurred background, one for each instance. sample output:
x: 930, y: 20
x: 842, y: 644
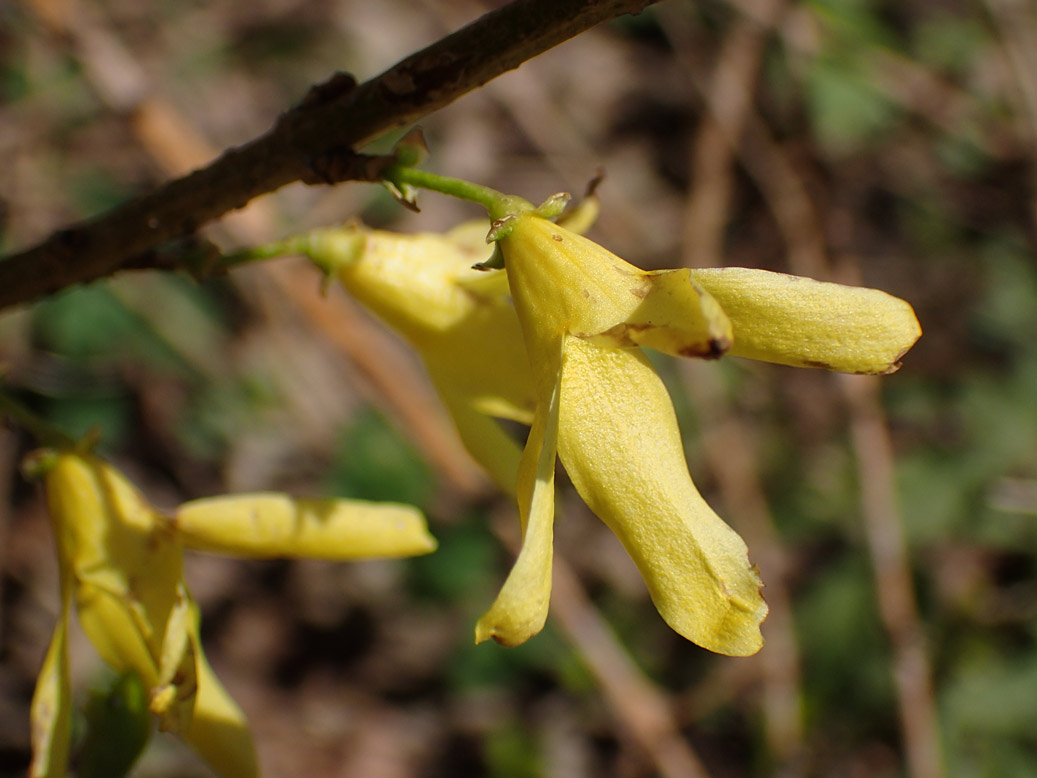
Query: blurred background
x: 894, y: 520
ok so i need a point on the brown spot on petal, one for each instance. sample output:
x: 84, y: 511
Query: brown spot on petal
x: 556, y: 236
x: 619, y: 334
x: 718, y: 347
x: 818, y: 364
x: 641, y: 292
x: 713, y: 349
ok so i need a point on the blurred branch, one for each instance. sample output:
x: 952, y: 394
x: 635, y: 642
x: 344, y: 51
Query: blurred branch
x: 1018, y: 31
x: 639, y: 705
x: 334, y: 117
x: 729, y: 446
x: 912, y: 673
x: 8, y: 464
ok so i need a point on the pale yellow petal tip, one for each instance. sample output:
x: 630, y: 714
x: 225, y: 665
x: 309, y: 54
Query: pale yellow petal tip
x: 520, y: 610
x: 724, y: 619
x: 739, y: 634
x: 423, y: 542
x: 510, y: 626
x: 912, y: 331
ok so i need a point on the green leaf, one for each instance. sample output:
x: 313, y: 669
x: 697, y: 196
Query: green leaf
x: 375, y: 462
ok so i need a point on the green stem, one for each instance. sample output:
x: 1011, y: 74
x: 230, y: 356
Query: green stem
x: 296, y: 244
x: 496, y: 203
x: 45, y: 432
x: 257, y: 254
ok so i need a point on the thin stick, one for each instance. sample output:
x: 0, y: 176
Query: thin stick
x: 730, y: 448
x: 642, y: 709
x: 911, y: 668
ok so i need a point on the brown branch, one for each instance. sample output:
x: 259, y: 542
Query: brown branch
x: 887, y: 546
x: 330, y: 119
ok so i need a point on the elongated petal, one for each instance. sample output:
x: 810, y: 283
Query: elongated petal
x: 620, y: 444
x: 49, y: 714
x: 805, y: 323
x: 488, y: 443
x: 87, y: 498
x: 677, y: 316
x: 116, y: 628
x: 408, y: 281
x: 276, y: 525
x: 520, y: 610
x: 460, y: 320
x: 218, y: 730
x: 125, y: 566
x: 173, y: 698
x: 483, y: 359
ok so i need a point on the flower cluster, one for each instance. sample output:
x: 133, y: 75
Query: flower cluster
x: 547, y: 329
x: 120, y: 561
x: 554, y: 339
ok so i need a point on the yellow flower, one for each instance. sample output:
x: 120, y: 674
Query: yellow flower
x: 573, y: 354
x: 459, y: 320
x: 120, y: 560
x: 584, y: 314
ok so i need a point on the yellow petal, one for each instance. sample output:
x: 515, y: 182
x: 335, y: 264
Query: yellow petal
x: 805, y: 323
x: 86, y: 497
x: 408, y: 281
x: 483, y: 358
x: 520, y: 610
x: 276, y: 525
x: 173, y: 698
x: 460, y: 320
x: 471, y: 236
x: 125, y: 567
x: 218, y: 730
x: 677, y: 316
x: 486, y: 441
x: 116, y: 626
x: 49, y: 713
x: 620, y: 444
x: 566, y: 284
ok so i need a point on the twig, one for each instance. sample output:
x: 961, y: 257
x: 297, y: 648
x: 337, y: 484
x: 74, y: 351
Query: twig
x: 640, y: 707
x: 730, y: 448
x: 896, y: 592
x: 732, y: 454
x: 728, y: 97
x: 1017, y: 28
x: 333, y: 118
x: 7, y: 465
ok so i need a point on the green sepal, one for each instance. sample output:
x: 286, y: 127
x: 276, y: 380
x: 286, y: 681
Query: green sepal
x: 118, y: 726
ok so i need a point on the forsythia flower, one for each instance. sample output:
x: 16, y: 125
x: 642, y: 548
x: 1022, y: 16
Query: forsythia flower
x: 573, y: 353
x: 121, y: 561
x: 601, y: 406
